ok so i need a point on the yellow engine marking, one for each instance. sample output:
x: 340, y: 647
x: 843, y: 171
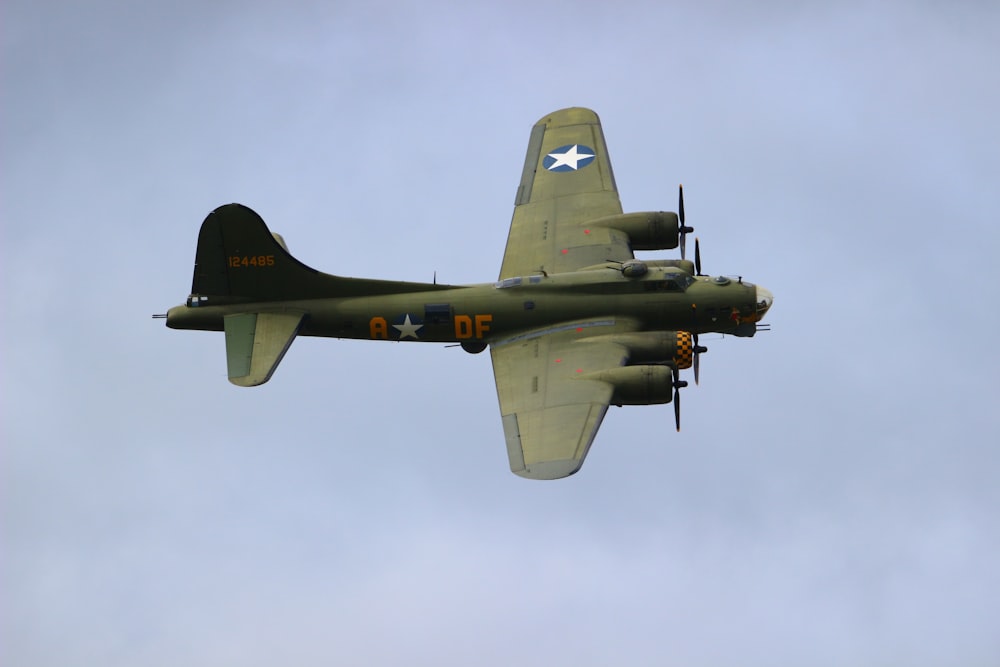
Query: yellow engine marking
x: 685, y: 350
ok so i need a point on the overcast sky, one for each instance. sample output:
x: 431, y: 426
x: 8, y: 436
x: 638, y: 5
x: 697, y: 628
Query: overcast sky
x: 832, y: 500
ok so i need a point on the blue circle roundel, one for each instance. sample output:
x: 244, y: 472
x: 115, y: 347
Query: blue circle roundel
x: 569, y: 158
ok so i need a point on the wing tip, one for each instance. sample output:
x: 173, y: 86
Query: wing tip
x: 550, y: 469
x: 569, y: 116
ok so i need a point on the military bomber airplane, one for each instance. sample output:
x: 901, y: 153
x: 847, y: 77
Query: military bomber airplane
x: 574, y: 324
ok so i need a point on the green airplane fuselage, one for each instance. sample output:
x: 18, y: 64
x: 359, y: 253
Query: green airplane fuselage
x: 661, y: 299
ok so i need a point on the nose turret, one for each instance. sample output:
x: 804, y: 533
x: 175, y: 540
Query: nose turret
x: 764, y: 301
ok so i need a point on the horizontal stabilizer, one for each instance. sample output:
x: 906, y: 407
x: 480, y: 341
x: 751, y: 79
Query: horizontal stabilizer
x: 255, y: 344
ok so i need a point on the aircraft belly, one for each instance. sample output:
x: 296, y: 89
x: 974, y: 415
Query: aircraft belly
x: 497, y: 314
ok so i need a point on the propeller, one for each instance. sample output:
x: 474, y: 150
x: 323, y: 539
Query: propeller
x: 697, y: 258
x: 678, y: 385
x: 696, y: 349
x: 683, y: 230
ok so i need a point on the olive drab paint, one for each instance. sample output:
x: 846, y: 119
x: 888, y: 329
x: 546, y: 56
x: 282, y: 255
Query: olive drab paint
x: 574, y: 323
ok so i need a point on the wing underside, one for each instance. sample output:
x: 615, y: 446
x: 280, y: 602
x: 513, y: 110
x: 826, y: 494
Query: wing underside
x: 567, y: 181
x: 549, y: 402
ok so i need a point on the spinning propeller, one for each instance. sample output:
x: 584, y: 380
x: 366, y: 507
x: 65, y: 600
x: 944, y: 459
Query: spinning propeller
x: 678, y: 385
x: 696, y: 349
x: 683, y: 230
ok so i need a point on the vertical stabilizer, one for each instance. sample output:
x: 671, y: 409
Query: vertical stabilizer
x: 238, y: 256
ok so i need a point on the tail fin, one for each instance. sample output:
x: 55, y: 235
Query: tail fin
x: 238, y: 256
x: 243, y: 267
x: 240, y: 260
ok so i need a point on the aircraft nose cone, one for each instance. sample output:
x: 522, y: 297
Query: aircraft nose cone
x: 764, y: 301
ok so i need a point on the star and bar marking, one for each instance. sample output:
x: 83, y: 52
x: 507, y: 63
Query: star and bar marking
x: 407, y: 328
x: 572, y: 157
x: 407, y: 325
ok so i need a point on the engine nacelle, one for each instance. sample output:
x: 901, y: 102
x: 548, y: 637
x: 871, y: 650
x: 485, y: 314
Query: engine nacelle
x: 638, y: 385
x: 675, y: 347
x: 654, y: 230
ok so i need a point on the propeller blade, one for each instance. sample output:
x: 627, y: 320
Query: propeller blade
x: 678, y: 384
x: 680, y: 216
x: 698, y: 349
x: 677, y: 409
x: 680, y: 203
x: 697, y: 257
x: 683, y: 230
x: 697, y: 364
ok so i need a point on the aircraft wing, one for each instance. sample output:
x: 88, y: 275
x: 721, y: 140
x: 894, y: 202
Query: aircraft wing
x: 550, y: 399
x: 567, y: 181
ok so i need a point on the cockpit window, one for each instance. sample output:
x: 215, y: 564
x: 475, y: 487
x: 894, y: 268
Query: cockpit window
x: 672, y: 282
x: 682, y: 280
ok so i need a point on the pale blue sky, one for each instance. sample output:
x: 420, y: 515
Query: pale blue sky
x: 832, y: 499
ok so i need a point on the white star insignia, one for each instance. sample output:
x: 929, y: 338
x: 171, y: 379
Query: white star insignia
x: 408, y: 329
x: 570, y: 158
